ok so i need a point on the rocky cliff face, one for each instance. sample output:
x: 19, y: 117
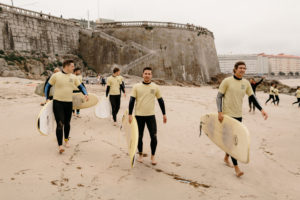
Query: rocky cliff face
x: 174, y: 54
x: 36, y: 65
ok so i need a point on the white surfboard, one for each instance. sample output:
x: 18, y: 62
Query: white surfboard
x: 103, y: 109
x: 46, y: 120
x: 132, y: 136
x: 39, y: 90
x: 79, y: 101
x: 231, y: 135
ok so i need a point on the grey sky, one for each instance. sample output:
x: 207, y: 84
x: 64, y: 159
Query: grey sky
x: 239, y: 26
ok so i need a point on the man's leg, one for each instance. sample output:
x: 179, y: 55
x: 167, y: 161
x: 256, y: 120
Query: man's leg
x: 113, y: 107
x: 270, y: 97
x: 68, y: 114
x: 234, y: 161
x: 118, y: 103
x: 250, y: 104
x: 59, y: 118
x: 141, y: 126
x: 152, y: 127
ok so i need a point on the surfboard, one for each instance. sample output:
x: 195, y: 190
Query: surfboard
x: 103, y: 108
x: 79, y: 101
x: 231, y: 135
x: 39, y: 90
x: 132, y: 136
x: 45, y: 120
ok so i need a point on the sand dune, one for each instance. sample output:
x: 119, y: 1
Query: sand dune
x: 96, y: 166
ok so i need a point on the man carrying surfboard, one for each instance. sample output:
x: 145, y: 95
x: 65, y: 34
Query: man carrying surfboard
x: 230, y: 101
x: 113, y: 89
x: 143, y: 97
x: 64, y: 83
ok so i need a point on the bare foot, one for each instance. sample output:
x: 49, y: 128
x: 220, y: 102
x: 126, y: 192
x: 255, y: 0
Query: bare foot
x: 153, y: 162
x: 238, y: 172
x: 78, y: 116
x: 227, y: 163
x: 140, y: 158
x: 61, y: 149
x: 67, y: 145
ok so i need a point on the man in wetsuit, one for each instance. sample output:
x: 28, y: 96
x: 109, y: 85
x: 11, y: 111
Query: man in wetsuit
x: 64, y: 83
x: 298, y: 97
x: 230, y: 101
x: 77, y: 73
x: 276, y: 92
x: 143, y: 98
x: 254, y: 86
x: 271, y: 94
x: 114, y: 88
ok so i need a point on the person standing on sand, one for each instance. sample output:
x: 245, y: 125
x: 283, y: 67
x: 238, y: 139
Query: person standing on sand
x: 114, y: 87
x: 77, y: 73
x: 271, y: 94
x: 64, y: 83
x: 276, y: 92
x: 54, y: 71
x: 298, y: 96
x: 254, y: 86
x: 230, y: 101
x: 143, y: 98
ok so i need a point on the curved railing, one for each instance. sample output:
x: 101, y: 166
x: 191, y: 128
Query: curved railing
x: 150, y: 24
x: 29, y: 13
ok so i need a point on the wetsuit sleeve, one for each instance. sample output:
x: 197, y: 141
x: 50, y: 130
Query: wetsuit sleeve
x: 259, y: 82
x: 107, y: 90
x: 47, y: 90
x: 255, y: 102
x: 122, y: 87
x: 131, y: 105
x: 162, y: 105
x: 82, y: 89
x: 47, y: 80
x: 220, y: 101
x: 83, y: 85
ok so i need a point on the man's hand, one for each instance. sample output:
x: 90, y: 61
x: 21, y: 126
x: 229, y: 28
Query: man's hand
x: 86, y: 97
x: 165, y: 119
x: 130, y: 118
x: 125, y: 95
x: 220, y: 117
x: 264, y: 114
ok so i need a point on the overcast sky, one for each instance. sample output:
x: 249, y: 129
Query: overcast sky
x: 239, y: 26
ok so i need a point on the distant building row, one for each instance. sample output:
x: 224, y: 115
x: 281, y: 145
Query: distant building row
x: 262, y: 64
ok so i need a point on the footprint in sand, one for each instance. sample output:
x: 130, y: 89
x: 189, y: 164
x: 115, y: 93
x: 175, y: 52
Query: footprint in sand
x: 80, y: 185
x: 79, y: 167
x: 55, y: 182
x: 176, y: 164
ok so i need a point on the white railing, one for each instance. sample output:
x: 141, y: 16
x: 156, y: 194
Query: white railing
x: 150, y: 24
x: 34, y: 14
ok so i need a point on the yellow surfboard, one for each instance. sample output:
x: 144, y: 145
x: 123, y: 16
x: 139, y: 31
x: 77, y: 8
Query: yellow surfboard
x: 231, y: 135
x: 46, y: 121
x: 79, y: 101
x: 132, y: 136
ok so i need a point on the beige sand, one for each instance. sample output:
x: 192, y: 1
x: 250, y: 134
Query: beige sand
x: 190, y: 167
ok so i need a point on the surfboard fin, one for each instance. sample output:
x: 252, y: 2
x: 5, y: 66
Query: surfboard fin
x: 200, y: 128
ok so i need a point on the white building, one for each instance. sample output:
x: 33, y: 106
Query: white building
x: 261, y: 64
x: 256, y: 63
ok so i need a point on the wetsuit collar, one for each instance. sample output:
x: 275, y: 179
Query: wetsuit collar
x: 63, y: 72
x: 146, y: 83
x: 236, y: 78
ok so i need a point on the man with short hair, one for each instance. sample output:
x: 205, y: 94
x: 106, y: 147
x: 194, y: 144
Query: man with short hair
x: 143, y: 98
x: 230, y: 101
x: 113, y: 89
x: 64, y: 83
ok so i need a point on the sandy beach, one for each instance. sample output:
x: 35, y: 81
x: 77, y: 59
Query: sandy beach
x: 96, y: 166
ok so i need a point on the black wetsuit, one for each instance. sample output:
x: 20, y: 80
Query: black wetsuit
x: 254, y: 86
x: 298, y: 101
x: 150, y: 121
x: 115, y: 101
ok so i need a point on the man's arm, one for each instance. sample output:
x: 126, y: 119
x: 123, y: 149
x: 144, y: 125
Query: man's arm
x: 259, y: 82
x: 82, y: 89
x: 47, y: 90
x: 107, y: 90
x: 162, y: 105
x: 257, y: 105
x: 131, y: 105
